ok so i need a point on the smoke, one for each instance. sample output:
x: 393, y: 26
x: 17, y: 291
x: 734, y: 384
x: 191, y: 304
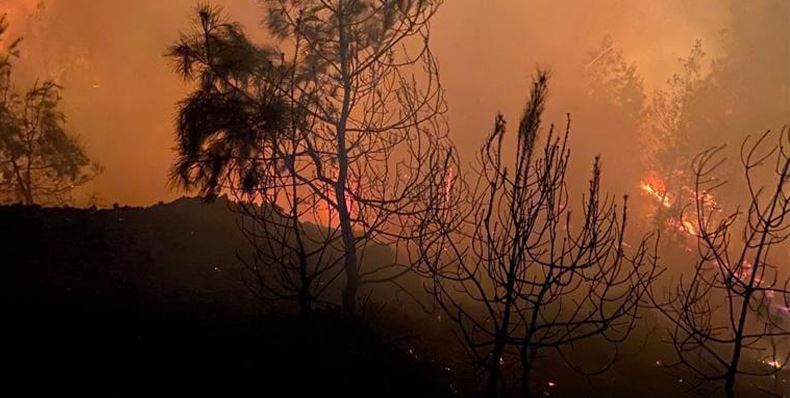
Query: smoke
x: 19, y: 12
x: 120, y: 92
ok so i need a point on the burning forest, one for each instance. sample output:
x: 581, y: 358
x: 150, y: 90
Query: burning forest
x: 396, y: 198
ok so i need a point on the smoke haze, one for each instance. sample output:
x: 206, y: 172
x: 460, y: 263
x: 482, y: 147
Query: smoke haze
x: 120, y: 92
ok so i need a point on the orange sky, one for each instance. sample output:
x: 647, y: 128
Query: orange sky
x: 120, y: 93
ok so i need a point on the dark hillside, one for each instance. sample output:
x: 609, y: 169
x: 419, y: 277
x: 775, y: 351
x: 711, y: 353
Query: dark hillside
x: 176, y: 255
x: 129, y: 302
x: 150, y: 302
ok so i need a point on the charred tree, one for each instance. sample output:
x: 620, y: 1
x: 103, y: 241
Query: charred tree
x: 729, y: 316
x: 339, y: 125
x: 514, y: 271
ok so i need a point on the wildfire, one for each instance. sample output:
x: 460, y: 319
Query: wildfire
x: 773, y: 363
x: 448, y: 184
x: 654, y: 187
x: 683, y: 226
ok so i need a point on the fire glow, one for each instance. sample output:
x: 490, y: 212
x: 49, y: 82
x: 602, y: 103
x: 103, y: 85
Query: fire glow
x: 654, y: 187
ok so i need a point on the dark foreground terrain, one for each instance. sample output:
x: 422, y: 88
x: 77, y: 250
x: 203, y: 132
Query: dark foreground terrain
x: 133, y: 302
x: 150, y: 302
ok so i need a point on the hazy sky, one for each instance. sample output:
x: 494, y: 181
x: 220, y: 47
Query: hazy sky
x: 120, y: 93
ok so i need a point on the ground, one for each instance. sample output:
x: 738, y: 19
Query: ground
x: 129, y: 302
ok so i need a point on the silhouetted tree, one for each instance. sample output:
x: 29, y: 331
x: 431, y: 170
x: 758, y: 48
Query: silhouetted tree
x: 513, y: 270
x: 40, y: 162
x: 335, y: 119
x: 748, y: 81
x: 613, y: 107
x: 236, y: 131
x: 613, y: 80
x: 734, y: 301
x: 378, y: 126
x: 672, y: 139
x: 746, y: 87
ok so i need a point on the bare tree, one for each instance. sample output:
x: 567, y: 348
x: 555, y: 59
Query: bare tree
x: 341, y: 124
x: 40, y: 162
x: 511, y: 267
x: 728, y: 316
x: 377, y: 125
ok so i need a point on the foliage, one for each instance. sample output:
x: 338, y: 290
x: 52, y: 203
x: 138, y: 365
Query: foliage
x: 331, y: 126
x: 615, y: 81
x: 40, y: 162
x: 669, y: 136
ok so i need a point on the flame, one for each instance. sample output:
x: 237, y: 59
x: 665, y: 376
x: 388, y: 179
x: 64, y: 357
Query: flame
x: 448, y: 185
x: 773, y: 363
x: 654, y: 187
x: 684, y: 226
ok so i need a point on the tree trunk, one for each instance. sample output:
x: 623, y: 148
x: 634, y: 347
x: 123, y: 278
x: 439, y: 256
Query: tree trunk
x: 305, y: 302
x: 729, y: 385
x: 349, y: 262
x: 495, y: 371
x: 305, y: 298
x: 349, y: 242
x: 499, y: 344
x: 732, y: 371
x: 24, y: 190
x: 27, y: 196
x: 527, y: 356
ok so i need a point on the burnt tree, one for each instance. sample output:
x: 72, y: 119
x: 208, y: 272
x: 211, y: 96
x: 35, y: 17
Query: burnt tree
x: 730, y: 315
x: 514, y: 271
x: 338, y: 123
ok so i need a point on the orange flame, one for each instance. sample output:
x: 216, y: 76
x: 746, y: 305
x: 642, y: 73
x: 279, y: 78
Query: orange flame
x: 654, y: 187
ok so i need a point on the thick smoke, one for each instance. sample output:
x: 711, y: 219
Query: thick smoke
x: 120, y: 93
